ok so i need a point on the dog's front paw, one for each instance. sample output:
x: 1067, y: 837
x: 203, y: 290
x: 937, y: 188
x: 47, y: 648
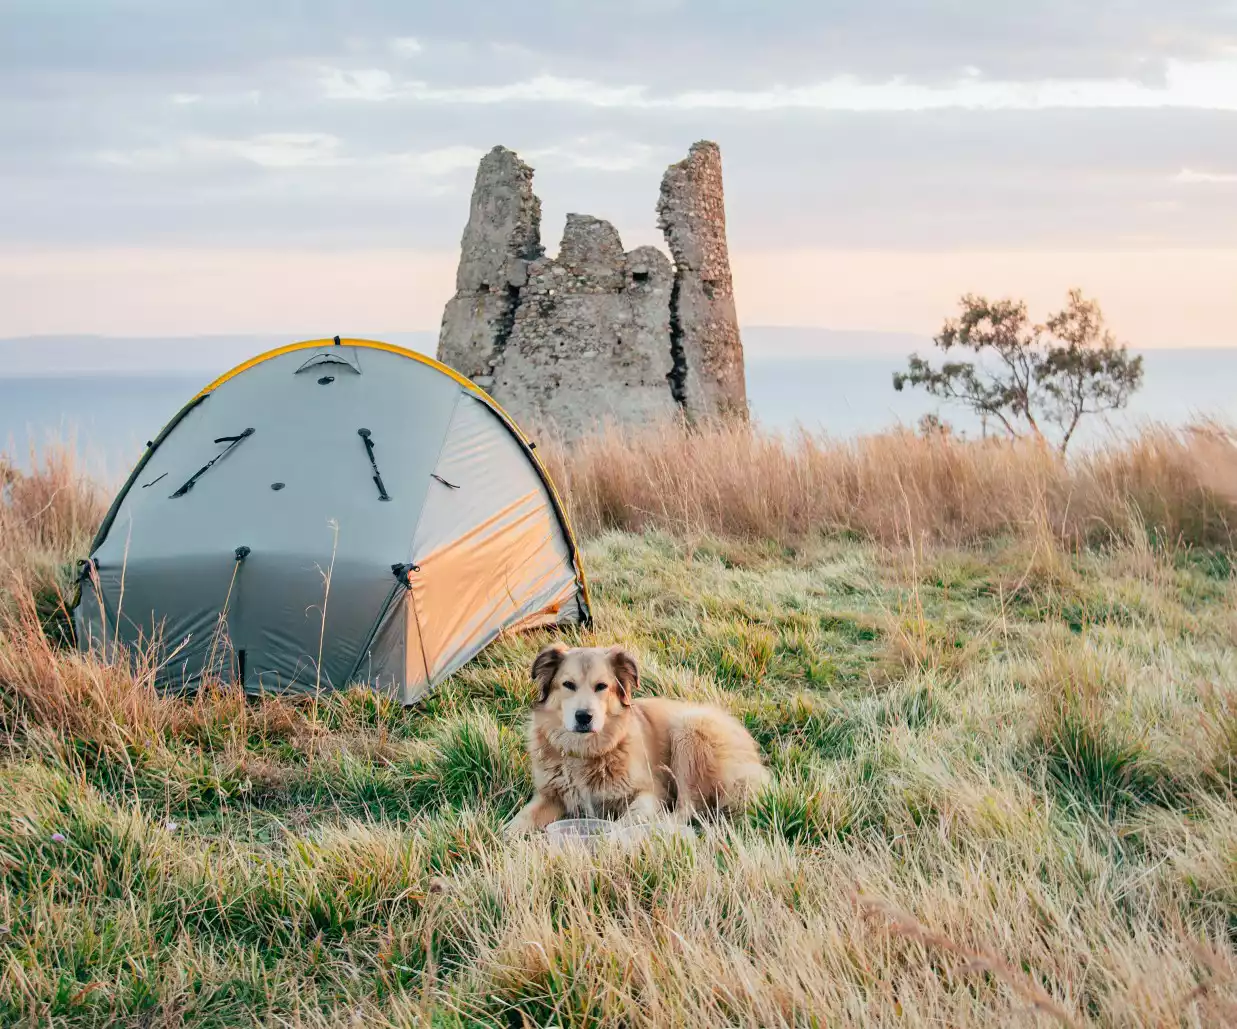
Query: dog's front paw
x: 520, y: 825
x: 523, y: 824
x: 645, y: 808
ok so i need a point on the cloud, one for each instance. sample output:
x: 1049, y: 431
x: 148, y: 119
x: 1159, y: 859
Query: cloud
x: 371, y: 84
x: 384, y: 175
x: 681, y: 45
x: 290, y: 150
x: 856, y: 122
x: 1210, y: 85
x: 434, y: 163
x: 378, y: 85
x: 406, y: 46
x: 1188, y: 176
x: 280, y: 149
x: 269, y: 150
x: 605, y: 153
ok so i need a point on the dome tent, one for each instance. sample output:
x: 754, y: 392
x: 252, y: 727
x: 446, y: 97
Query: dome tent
x: 327, y: 513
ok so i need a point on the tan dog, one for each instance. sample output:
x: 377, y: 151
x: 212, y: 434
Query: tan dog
x: 598, y: 752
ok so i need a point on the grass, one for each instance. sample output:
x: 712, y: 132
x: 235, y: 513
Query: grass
x: 1003, y: 731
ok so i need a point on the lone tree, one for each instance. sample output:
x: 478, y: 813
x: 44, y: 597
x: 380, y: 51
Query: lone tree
x: 1027, y: 377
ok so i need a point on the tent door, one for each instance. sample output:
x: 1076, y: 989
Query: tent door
x: 401, y: 586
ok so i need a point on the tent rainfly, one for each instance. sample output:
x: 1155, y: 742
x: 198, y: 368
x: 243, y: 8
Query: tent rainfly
x: 329, y: 513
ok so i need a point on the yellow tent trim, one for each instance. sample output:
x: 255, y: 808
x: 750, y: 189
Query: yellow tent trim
x: 468, y: 384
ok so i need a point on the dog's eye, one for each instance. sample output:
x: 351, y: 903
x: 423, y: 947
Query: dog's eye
x: 569, y: 686
x: 601, y: 687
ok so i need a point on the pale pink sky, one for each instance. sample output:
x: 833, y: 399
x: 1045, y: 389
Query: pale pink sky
x: 1153, y: 298
x: 185, y: 169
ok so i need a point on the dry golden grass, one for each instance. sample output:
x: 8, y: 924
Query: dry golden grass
x: 1005, y: 770
x: 47, y: 516
x: 897, y: 487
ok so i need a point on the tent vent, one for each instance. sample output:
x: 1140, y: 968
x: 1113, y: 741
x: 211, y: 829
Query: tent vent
x: 326, y: 380
x: 277, y: 486
x: 341, y: 358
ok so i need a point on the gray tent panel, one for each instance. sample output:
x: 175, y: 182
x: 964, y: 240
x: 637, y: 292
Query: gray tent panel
x: 317, y: 518
x: 489, y: 533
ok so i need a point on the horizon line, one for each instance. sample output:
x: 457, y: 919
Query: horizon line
x: 298, y: 337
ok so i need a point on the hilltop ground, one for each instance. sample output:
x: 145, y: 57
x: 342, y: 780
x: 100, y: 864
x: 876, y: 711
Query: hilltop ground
x: 999, y: 695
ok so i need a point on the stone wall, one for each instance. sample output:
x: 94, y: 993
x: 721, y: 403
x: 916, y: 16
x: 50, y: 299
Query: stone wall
x: 597, y: 335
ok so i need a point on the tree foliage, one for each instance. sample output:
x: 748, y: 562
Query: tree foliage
x: 1027, y: 377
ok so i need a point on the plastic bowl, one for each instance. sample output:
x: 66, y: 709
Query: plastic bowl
x: 651, y: 830
x: 590, y: 832
x: 578, y: 832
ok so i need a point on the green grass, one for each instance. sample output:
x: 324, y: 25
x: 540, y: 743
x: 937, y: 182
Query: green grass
x: 1003, y: 791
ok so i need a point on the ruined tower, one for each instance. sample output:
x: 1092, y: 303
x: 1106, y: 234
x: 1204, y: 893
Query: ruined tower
x: 595, y: 334
x: 502, y: 236
x: 708, y: 375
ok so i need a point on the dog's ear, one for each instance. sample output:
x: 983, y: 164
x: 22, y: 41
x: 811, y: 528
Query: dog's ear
x: 626, y: 673
x: 545, y: 665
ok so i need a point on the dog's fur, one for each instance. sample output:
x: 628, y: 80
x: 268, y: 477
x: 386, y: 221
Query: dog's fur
x: 597, y: 751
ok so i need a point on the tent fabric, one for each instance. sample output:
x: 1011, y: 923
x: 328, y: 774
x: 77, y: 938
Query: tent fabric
x: 328, y: 513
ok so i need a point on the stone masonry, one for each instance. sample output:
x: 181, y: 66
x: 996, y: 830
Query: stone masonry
x: 597, y: 335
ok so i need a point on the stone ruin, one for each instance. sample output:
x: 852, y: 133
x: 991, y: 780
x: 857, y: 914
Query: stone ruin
x: 597, y: 335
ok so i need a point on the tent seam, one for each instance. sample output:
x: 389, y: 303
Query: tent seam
x: 412, y: 541
x: 442, y: 445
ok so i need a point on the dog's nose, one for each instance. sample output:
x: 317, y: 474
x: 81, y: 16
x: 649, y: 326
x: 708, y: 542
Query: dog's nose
x: 584, y: 719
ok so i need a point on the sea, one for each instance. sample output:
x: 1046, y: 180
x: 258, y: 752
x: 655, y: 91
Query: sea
x: 108, y: 417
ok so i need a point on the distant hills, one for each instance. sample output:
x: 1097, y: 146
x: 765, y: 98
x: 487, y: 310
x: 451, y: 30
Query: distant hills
x: 171, y: 355
x: 210, y: 355
x: 772, y: 342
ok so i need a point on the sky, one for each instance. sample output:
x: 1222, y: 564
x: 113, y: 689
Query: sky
x: 214, y: 166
